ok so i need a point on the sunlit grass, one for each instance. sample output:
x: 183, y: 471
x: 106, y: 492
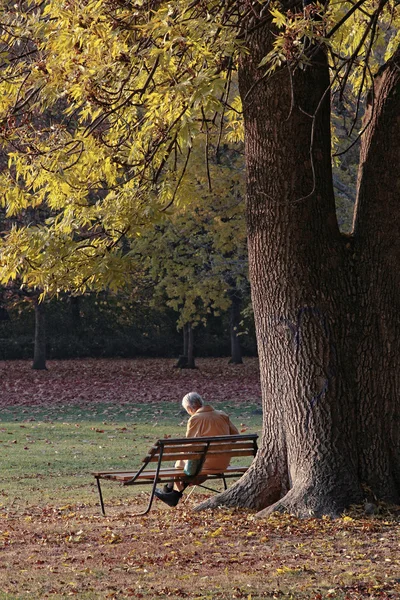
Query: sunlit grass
x: 48, y: 453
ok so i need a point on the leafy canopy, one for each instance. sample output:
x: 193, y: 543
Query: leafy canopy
x: 105, y: 105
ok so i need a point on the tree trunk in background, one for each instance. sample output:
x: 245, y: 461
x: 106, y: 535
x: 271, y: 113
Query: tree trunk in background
x: 4, y: 316
x: 76, y: 321
x: 190, y: 347
x: 39, y: 357
x: 234, y: 323
x: 186, y: 360
x: 185, y: 339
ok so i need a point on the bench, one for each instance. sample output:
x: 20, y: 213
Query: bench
x: 194, y: 449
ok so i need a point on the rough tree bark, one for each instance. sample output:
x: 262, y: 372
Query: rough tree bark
x: 377, y: 250
x: 327, y: 339
x: 39, y: 355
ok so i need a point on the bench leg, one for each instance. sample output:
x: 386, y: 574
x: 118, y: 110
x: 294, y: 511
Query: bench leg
x: 144, y: 512
x: 101, y: 496
x: 207, y: 488
x: 224, y: 480
x: 135, y: 514
x: 153, y: 489
x: 186, y: 498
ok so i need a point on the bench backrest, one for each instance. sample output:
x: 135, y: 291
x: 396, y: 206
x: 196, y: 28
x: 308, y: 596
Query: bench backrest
x: 173, y: 449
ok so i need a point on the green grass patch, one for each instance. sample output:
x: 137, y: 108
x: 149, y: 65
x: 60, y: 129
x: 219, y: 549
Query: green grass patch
x: 48, y: 452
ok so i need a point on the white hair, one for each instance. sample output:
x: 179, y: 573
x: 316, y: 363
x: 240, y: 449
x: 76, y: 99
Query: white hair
x: 192, y: 400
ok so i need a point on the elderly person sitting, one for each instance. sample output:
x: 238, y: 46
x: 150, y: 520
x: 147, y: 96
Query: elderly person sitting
x: 204, y: 421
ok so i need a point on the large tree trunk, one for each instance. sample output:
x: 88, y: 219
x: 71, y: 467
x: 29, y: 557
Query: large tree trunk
x: 301, y: 291
x: 326, y: 307
x: 39, y: 356
x: 377, y: 247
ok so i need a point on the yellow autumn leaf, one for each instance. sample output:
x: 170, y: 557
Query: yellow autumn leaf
x: 215, y: 533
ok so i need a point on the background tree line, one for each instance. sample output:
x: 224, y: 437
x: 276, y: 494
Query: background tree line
x: 112, y: 325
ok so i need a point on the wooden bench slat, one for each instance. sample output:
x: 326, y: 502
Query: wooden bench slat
x: 217, y: 438
x: 232, y: 453
x: 177, y: 456
x: 162, y: 471
x: 235, y: 446
x: 201, y: 447
x: 195, y: 456
x: 150, y: 474
x: 178, y: 448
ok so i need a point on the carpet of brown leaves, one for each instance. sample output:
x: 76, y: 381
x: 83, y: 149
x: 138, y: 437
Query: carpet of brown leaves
x: 71, y: 550
x: 123, y: 380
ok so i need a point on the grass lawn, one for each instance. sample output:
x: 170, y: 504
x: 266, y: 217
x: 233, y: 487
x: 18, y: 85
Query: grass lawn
x: 54, y: 542
x: 49, y: 452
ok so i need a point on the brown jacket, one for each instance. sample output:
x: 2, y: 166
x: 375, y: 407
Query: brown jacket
x: 207, y: 421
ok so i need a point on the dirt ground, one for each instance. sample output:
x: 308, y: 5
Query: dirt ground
x: 59, y: 552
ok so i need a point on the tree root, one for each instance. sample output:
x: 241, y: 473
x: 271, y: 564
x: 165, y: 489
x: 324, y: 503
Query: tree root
x: 221, y: 500
x: 309, y: 502
x: 246, y: 493
x: 303, y: 501
x: 268, y: 492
